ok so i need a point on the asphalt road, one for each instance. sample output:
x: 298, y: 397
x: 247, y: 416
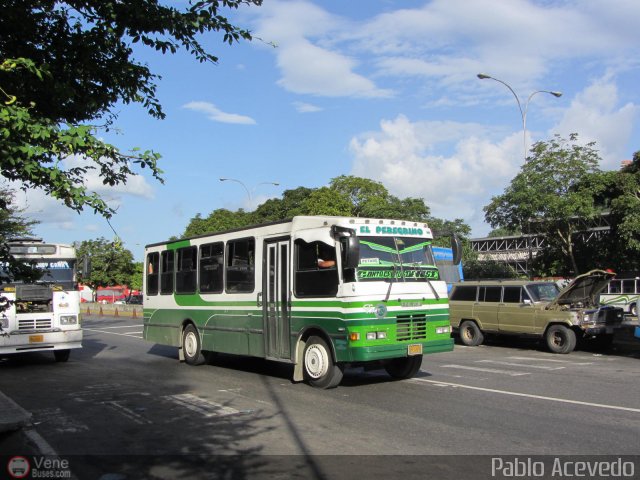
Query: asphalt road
x: 125, y: 408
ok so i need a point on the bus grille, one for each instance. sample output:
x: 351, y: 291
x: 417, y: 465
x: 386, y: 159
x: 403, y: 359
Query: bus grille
x: 411, y: 327
x: 34, y: 324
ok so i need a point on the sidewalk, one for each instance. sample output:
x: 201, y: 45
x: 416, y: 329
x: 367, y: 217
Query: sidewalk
x: 14, y: 424
x: 12, y: 416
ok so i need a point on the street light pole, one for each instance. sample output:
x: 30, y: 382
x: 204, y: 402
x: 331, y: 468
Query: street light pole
x: 523, y: 111
x: 245, y: 187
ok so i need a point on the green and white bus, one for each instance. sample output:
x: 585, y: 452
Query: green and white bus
x: 624, y: 293
x: 321, y: 293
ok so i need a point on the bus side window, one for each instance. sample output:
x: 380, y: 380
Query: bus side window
x: 186, y: 271
x: 211, y: 267
x: 166, y: 273
x: 153, y: 268
x: 240, y: 270
x: 614, y: 286
x: 312, y: 279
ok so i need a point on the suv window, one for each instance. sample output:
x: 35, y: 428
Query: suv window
x: 543, y: 292
x: 511, y: 295
x: 489, y: 294
x: 464, y: 293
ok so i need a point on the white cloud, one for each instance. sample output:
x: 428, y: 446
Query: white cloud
x: 45, y: 209
x: 214, y: 113
x: 445, y: 42
x: 401, y: 156
x: 595, y: 114
x: 300, y: 29
x: 303, y: 107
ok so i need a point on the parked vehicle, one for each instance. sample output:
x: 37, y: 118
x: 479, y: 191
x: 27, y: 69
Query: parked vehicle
x: 535, y: 308
x: 42, y: 315
x: 624, y: 293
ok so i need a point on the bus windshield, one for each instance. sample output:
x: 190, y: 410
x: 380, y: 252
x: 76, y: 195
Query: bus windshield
x: 396, y: 258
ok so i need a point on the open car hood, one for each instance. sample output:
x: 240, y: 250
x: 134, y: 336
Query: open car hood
x: 584, y: 289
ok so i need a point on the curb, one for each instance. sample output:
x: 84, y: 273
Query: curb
x: 12, y: 415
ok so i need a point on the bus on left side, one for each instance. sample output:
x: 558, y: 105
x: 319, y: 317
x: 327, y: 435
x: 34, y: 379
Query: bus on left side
x: 42, y: 315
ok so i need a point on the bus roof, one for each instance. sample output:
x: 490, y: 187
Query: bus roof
x: 305, y: 221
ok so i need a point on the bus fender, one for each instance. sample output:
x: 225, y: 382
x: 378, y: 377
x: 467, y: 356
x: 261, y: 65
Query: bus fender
x: 298, y: 372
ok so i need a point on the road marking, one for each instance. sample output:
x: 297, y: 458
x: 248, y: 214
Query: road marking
x: 539, y: 359
x: 113, y: 333
x: 122, y: 326
x: 127, y: 412
x: 527, y: 395
x: 56, y: 418
x: 199, y: 405
x: 512, y: 364
x: 510, y: 373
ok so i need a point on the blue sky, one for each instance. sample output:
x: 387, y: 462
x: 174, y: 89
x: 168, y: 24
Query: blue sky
x: 380, y: 89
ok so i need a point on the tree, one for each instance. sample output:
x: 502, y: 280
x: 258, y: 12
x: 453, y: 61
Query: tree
x: 619, y: 194
x: 13, y: 225
x: 111, y: 264
x: 218, y: 221
x: 550, y: 195
x: 345, y: 196
x: 64, y: 65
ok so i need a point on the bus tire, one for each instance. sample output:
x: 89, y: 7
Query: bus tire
x: 320, y: 370
x: 560, y: 339
x: 403, y: 368
x: 61, y: 355
x: 191, y: 346
x: 470, y: 334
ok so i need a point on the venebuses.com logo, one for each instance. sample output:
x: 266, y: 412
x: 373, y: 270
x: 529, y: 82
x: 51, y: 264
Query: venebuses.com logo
x: 18, y: 467
x: 38, y: 467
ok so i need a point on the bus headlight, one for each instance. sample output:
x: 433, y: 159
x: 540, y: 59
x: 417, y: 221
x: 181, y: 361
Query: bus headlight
x: 4, y: 322
x: 68, y: 319
x: 443, y: 330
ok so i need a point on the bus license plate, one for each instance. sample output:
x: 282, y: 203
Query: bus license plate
x: 415, y: 349
x: 36, y: 338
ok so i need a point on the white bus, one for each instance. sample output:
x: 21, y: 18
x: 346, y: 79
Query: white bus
x: 42, y: 315
x: 624, y: 293
x: 321, y: 293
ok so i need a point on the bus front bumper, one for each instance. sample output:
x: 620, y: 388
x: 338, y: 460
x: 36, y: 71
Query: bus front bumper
x: 40, y: 341
x: 385, y: 352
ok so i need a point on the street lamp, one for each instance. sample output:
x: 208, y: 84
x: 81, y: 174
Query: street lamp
x: 245, y: 187
x: 523, y: 112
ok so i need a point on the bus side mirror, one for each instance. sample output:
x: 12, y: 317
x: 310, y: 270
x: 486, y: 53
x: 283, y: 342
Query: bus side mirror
x: 456, y: 249
x: 352, y: 252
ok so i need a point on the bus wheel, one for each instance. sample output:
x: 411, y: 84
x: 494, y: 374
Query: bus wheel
x: 319, y: 369
x: 191, y: 346
x: 470, y: 334
x: 560, y: 339
x: 403, y: 368
x: 61, y: 355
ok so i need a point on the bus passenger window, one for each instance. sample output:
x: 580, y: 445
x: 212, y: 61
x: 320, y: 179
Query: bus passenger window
x: 186, y: 270
x: 153, y: 268
x: 315, y: 274
x: 240, y: 266
x: 211, y: 267
x: 166, y: 274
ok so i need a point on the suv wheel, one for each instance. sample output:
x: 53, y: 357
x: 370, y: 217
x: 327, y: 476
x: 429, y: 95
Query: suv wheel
x: 470, y: 333
x: 560, y: 339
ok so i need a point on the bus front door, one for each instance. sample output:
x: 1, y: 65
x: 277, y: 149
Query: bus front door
x: 276, y: 311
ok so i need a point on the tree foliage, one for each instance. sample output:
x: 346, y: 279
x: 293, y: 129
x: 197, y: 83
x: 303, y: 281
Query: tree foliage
x: 64, y: 65
x: 551, y: 195
x: 111, y: 264
x: 344, y: 196
x: 13, y: 225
